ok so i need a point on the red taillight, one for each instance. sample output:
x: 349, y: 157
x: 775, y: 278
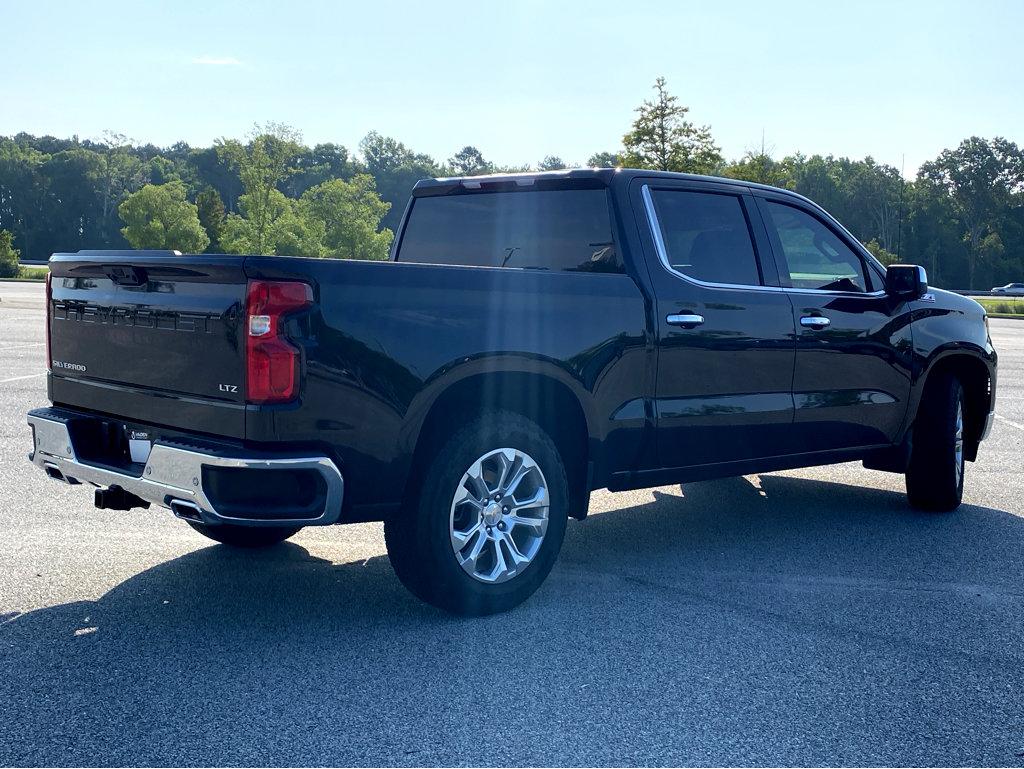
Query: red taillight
x: 49, y: 295
x: 272, y: 362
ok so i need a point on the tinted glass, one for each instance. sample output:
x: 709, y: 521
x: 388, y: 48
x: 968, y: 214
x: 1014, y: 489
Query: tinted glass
x: 706, y: 236
x: 543, y: 229
x: 812, y: 255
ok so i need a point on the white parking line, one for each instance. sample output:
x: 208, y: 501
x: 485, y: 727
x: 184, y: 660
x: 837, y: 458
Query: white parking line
x: 1010, y: 422
x: 22, y: 346
x: 18, y: 378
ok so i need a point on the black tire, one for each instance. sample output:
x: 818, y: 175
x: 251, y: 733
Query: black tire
x: 935, y: 474
x: 245, y: 536
x: 418, y: 539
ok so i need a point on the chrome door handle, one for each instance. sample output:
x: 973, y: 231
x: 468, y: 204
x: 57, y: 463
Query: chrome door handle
x: 814, y: 321
x: 688, y: 321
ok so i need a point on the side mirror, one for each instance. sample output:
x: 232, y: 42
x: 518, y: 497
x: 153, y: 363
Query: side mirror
x: 906, y: 281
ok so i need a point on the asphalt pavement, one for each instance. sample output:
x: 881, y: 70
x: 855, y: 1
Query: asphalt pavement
x: 805, y: 617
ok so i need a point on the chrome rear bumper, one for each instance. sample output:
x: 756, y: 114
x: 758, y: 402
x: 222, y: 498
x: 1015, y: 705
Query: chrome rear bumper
x: 173, y: 476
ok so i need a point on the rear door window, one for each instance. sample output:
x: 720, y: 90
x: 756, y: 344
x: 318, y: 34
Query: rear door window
x: 537, y: 229
x: 812, y: 255
x: 706, y: 236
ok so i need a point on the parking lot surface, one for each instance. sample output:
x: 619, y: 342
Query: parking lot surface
x: 805, y: 617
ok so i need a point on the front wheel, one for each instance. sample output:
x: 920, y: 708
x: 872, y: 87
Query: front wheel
x: 935, y: 475
x: 489, y: 521
x: 245, y: 536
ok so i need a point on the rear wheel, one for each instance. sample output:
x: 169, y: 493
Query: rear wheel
x: 935, y: 475
x: 245, y: 536
x: 489, y: 521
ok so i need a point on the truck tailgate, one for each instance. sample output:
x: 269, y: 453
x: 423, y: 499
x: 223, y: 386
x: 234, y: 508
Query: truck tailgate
x: 150, y: 325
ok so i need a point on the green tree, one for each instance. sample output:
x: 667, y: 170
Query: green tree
x: 289, y: 231
x: 867, y: 197
x: 350, y: 214
x: 71, y: 212
x: 759, y: 167
x: 295, y: 233
x: 170, y: 166
x: 885, y: 257
x: 384, y: 153
x: 552, y: 163
x: 161, y: 170
x: 605, y: 160
x: 1008, y: 265
x: 662, y: 139
x: 469, y: 162
x: 962, y: 218
x: 119, y: 174
x: 510, y: 169
x: 930, y: 236
x: 815, y: 177
x: 320, y: 164
x: 22, y: 193
x: 212, y: 216
x: 981, y: 178
x: 396, y: 169
x: 262, y: 164
x: 159, y: 216
x: 9, y: 264
x: 213, y: 168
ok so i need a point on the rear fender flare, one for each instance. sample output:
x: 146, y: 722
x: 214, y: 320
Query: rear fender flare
x: 459, y: 371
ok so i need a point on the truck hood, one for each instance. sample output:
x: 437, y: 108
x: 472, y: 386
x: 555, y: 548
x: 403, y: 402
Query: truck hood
x: 948, y: 300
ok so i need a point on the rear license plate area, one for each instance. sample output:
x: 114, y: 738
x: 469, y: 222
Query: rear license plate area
x: 111, y: 443
x: 140, y: 443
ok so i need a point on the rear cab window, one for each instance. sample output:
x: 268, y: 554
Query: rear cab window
x: 562, y: 229
x: 707, y: 236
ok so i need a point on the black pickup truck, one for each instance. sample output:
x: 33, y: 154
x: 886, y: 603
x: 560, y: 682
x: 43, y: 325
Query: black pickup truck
x: 533, y: 337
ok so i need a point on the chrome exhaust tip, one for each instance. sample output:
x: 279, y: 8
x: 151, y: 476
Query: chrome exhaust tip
x: 52, y: 471
x: 185, y: 510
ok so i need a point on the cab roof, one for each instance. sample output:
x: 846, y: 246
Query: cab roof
x: 583, y: 177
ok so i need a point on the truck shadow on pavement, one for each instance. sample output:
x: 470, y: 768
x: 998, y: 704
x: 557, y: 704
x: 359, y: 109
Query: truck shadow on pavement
x: 790, y: 621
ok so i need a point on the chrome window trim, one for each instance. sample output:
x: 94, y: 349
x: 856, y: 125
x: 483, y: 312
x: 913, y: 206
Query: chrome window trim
x: 659, y: 246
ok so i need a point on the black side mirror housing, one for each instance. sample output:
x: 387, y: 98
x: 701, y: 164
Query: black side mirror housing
x: 906, y: 281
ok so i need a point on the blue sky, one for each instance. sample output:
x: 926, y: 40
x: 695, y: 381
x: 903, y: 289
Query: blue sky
x: 520, y: 80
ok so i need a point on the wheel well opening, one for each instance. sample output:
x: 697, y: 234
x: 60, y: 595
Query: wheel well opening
x: 974, y: 378
x: 549, y: 403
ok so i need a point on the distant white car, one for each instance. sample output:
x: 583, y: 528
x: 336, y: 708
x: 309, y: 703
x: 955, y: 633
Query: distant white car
x: 1010, y: 289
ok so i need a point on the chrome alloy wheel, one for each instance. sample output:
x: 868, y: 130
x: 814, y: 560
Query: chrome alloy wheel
x: 958, y: 442
x: 499, y: 515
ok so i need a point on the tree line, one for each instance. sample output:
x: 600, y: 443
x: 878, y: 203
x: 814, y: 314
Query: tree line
x: 962, y: 217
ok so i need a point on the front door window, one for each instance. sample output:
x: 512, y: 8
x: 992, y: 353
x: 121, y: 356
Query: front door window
x: 813, y: 256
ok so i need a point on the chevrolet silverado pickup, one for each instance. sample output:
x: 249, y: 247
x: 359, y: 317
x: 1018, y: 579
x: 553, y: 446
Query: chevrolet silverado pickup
x: 531, y: 338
